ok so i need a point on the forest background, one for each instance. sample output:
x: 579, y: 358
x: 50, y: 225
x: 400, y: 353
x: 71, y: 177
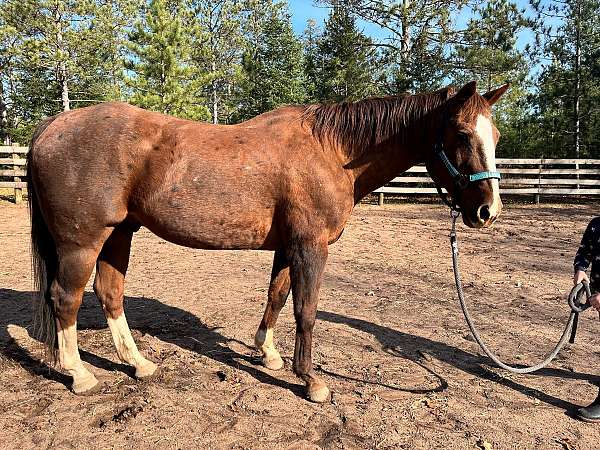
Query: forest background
x: 225, y: 61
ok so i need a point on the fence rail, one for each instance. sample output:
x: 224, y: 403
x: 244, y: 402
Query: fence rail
x: 12, y: 167
x: 537, y: 177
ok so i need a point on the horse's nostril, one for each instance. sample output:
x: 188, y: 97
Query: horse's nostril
x: 484, y: 213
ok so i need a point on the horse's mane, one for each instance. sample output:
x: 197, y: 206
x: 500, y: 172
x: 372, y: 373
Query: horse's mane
x: 358, y: 126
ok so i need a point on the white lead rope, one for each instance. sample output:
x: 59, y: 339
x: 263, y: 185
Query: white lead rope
x: 574, y: 300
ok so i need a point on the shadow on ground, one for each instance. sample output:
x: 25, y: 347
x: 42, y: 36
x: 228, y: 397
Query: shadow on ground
x: 181, y: 328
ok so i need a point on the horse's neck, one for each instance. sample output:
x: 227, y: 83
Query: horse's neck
x: 378, y: 166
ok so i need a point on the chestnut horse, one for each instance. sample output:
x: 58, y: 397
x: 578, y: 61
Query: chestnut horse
x: 285, y: 181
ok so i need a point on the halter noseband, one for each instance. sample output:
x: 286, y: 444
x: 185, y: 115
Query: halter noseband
x: 461, y: 181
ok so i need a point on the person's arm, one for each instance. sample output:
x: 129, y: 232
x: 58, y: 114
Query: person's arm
x: 583, y: 257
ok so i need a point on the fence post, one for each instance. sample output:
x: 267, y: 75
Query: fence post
x: 539, y: 186
x: 18, y: 189
x: 381, y: 198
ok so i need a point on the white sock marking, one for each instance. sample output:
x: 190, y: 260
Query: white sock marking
x: 264, y: 342
x: 68, y: 354
x: 126, y: 348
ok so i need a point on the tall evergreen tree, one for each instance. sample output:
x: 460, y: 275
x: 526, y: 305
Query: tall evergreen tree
x: 8, y: 54
x: 272, y: 62
x: 346, y: 63
x: 217, y: 50
x: 58, y: 54
x: 312, y: 60
x: 488, y: 53
x: 568, y: 44
x: 419, y: 37
x: 488, y: 50
x: 164, y: 79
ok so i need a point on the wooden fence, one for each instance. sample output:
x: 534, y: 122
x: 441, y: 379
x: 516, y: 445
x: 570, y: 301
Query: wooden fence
x: 12, y: 170
x: 533, y: 177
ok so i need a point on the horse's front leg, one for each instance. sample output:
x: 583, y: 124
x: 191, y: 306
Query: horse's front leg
x: 307, y: 261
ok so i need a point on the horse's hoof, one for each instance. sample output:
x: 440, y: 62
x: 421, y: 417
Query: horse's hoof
x: 86, y: 386
x: 319, y: 393
x: 273, y: 363
x: 146, y: 370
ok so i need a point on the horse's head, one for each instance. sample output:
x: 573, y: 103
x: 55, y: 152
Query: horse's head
x: 464, y: 160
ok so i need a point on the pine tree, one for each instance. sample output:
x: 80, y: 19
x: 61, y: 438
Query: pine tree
x: 488, y: 53
x: 107, y: 36
x: 217, y: 52
x: 346, y: 57
x: 58, y: 54
x: 488, y: 50
x: 163, y: 78
x: 272, y: 63
x: 7, y: 74
x: 312, y: 60
x: 419, y: 34
x: 568, y: 86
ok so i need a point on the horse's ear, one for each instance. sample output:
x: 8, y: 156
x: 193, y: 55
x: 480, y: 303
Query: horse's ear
x: 464, y: 94
x: 493, y: 96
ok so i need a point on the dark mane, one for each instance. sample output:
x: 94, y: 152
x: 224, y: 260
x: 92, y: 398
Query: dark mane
x: 360, y: 125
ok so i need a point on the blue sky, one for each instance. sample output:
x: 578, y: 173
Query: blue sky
x: 302, y: 10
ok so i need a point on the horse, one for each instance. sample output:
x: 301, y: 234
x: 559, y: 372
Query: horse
x: 286, y: 181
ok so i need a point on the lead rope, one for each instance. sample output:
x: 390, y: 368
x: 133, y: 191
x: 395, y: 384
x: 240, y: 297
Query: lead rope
x: 575, y: 301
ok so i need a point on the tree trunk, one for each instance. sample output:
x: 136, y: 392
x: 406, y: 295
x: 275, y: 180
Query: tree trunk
x: 405, y: 44
x: 214, y: 94
x: 64, y: 83
x: 577, y: 96
x: 577, y: 93
x: 4, y: 138
x: 62, y: 74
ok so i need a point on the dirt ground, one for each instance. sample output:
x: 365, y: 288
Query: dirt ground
x: 390, y: 341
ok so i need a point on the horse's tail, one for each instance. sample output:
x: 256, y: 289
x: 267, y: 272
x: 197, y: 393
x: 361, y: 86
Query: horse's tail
x: 44, y: 260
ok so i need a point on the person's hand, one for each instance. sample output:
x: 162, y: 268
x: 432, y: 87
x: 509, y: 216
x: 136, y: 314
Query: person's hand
x: 579, y: 277
x: 595, y: 301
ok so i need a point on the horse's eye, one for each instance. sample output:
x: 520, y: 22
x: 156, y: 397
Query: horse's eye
x: 464, y: 138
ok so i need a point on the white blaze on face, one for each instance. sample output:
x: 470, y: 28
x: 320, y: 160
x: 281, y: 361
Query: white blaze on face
x: 485, y: 132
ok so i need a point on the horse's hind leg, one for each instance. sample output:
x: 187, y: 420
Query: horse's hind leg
x: 279, y: 290
x: 109, y: 285
x: 66, y: 291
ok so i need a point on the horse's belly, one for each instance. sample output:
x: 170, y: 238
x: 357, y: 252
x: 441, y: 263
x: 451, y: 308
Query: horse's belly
x: 209, y: 224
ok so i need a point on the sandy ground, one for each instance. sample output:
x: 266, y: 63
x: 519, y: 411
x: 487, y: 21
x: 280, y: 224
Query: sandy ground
x: 390, y: 341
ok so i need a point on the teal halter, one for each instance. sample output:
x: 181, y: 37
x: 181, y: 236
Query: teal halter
x: 461, y: 181
x: 454, y: 173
